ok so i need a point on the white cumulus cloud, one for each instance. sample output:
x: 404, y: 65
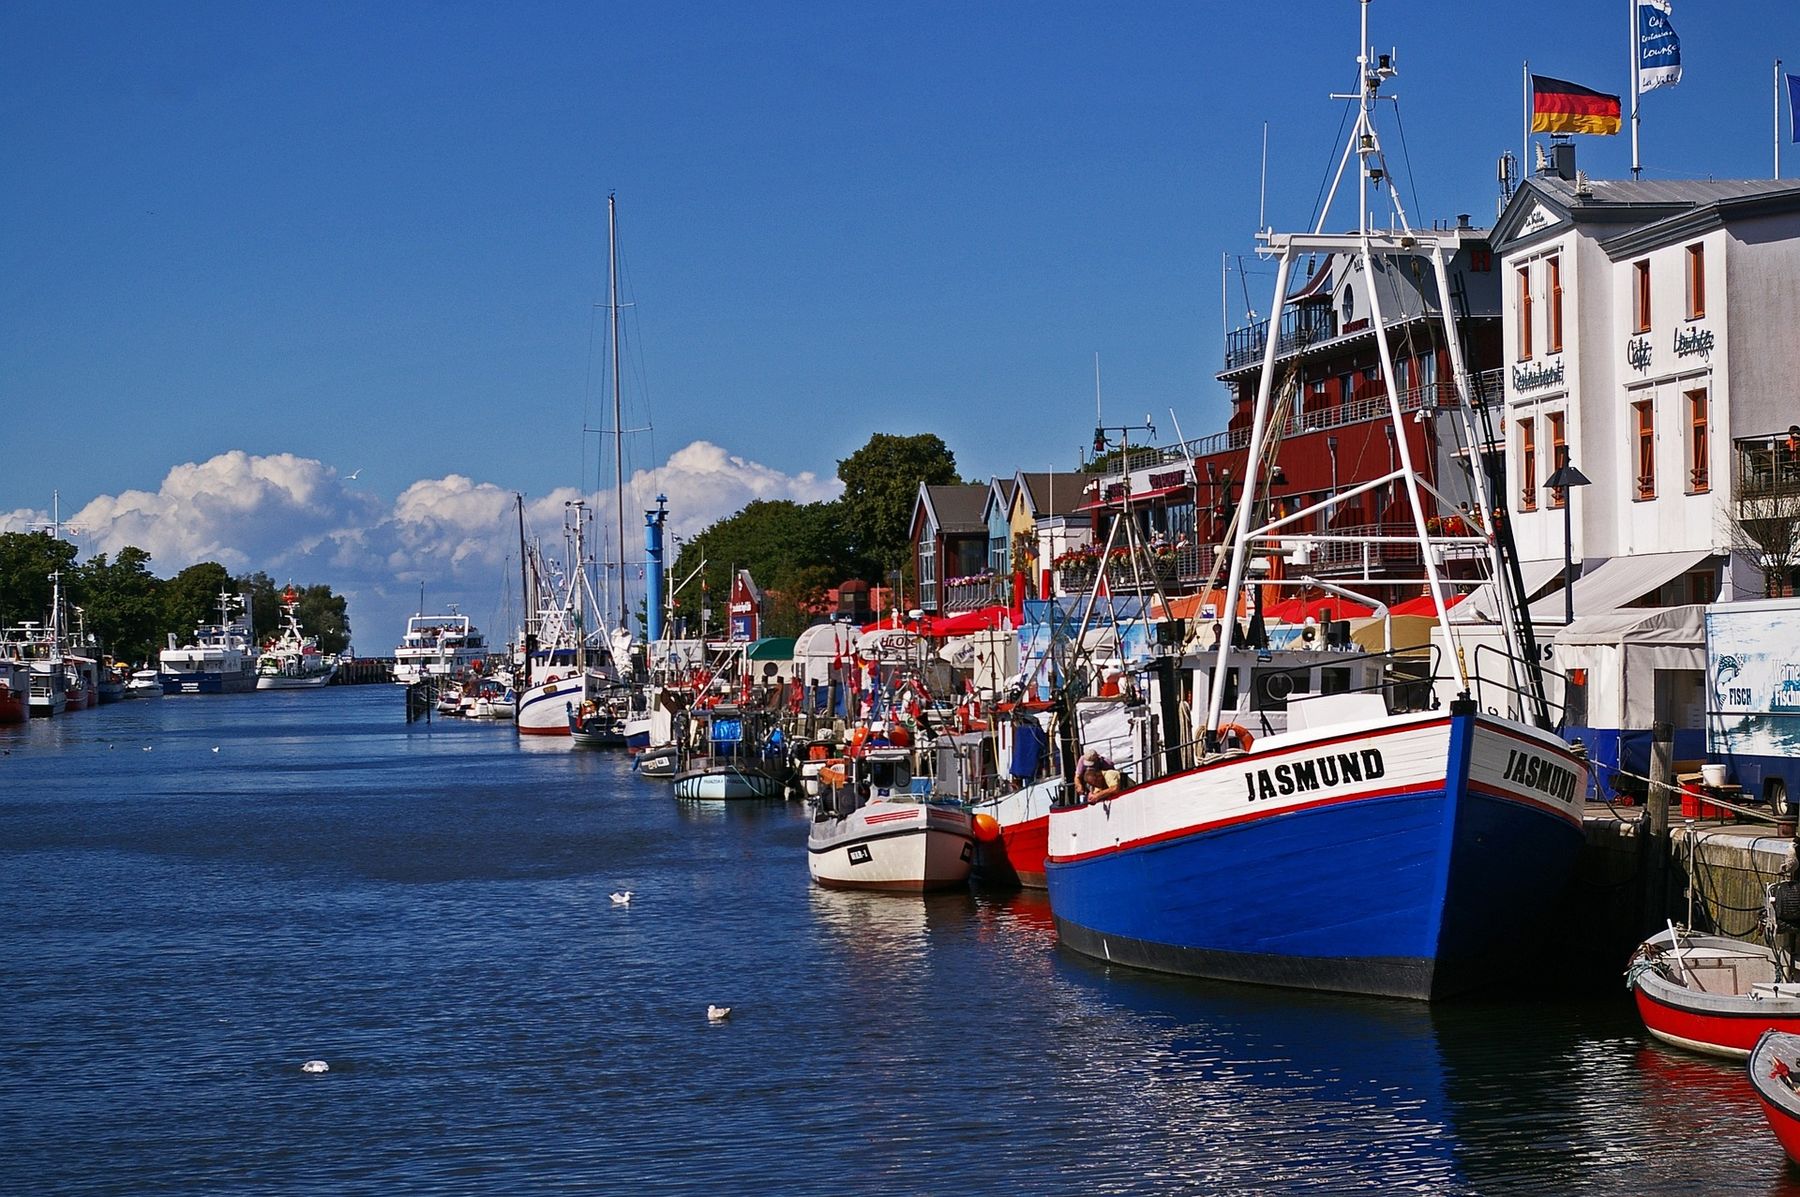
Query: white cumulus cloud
x: 295, y: 517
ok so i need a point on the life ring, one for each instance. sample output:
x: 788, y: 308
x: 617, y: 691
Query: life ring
x: 552, y: 679
x: 1236, y: 732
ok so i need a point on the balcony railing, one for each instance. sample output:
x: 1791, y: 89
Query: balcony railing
x: 1767, y: 467
x: 1301, y: 325
x: 1151, y: 569
x: 971, y: 594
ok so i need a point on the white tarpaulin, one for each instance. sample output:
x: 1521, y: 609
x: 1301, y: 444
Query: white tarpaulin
x: 1114, y: 730
x: 816, y: 648
x: 991, y: 656
x: 1622, y: 652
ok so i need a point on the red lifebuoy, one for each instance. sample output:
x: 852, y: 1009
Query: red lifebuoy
x: 1238, y: 733
x: 552, y: 680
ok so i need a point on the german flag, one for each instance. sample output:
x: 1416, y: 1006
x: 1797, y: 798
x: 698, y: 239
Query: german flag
x: 1558, y: 106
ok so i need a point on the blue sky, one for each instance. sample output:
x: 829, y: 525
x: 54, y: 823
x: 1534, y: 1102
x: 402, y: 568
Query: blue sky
x: 372, y: 236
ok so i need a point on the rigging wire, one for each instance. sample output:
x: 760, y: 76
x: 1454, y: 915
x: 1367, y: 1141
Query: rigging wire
x: 1406, y: 155
x: 1330, y: 166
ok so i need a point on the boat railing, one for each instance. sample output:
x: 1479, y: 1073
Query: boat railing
x: 1517, y: 699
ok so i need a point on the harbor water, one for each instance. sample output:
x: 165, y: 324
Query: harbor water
x: 198, y: 895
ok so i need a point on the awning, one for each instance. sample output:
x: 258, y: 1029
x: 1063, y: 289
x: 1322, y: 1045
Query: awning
x: 1617, y: 582
x: 1685, y: 626
x: 963, y: 623
x: 772, y: 648
x: 1298, y: 610
x: 1482, y: 605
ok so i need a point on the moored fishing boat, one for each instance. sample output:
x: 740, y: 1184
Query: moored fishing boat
x: 1774, y: 1069
x: 1711, y: 994
x: 293, y: 660
x: 1370, y: 836
x: 870, y: 831
x: 730, y: 757
x: 15, y: 692
x: 144, y: 683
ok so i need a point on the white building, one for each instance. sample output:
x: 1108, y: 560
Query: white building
x: 1652, y: 337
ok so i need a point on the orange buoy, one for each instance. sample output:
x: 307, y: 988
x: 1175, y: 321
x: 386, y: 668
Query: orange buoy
x: 1238, y: 734
x: 987, y: 828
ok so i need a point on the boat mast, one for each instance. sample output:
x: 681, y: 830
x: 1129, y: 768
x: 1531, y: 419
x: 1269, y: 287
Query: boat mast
x: 612, y: 240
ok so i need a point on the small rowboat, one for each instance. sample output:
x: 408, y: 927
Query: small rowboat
x: 1711, y: 994
x: 1775, y: 1075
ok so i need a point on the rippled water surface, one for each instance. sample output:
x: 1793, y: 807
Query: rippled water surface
x: 199, y: 894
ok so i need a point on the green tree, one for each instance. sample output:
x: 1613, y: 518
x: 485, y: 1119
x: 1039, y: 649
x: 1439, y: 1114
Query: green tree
x: 122, y: 603
x: 265, y: 605
x: 795, y: 552
x: 27, y: 559
x: 191, y: 597
x: 881, y: 484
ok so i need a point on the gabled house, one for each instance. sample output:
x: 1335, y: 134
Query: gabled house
x: 949, y: 542
x: 1047, y: 521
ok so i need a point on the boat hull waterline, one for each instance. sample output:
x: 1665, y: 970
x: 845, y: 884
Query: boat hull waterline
x: 1355, y: 862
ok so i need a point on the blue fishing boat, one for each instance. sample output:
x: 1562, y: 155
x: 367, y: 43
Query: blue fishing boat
x: 1317, y: 814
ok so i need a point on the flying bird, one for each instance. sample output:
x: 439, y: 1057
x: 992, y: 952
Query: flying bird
x: 353, y: 477
x: 622, y: 898
x: 718, y: 1013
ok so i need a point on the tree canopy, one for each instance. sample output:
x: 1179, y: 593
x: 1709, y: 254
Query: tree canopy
x: 881, y: 484
x: 132, y: 611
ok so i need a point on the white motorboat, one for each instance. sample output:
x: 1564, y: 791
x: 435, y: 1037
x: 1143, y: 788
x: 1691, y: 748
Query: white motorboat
x: 731, y: 755
x: 293, y: 661
x: 437, y: 648
x: 144, y: 683
x: 871, y: 831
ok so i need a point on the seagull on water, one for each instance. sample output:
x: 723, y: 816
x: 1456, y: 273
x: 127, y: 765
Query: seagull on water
x: 718, y: 1013
x: 215, y: 748
x: 622, y: 898
x: 315, y: 1066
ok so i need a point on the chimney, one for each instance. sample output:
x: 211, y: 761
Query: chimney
x: 1562, y: 160
x: 1462, y: 220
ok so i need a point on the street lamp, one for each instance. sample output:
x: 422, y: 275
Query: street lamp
x: 1566, y: 479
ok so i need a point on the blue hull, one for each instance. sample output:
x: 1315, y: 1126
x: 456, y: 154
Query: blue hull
x: 1403, y: 894
x: 206, y: 683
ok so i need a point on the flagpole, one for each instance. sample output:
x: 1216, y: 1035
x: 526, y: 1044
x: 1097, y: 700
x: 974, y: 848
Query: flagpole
x: 1632, y: 16
x: 1525, y: 135
x: 1776, y: 113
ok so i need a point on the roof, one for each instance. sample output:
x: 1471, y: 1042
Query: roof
x: 956, y: 508
x: 1641, y: 204
x: 1053, y: 493
x: 999, y: 494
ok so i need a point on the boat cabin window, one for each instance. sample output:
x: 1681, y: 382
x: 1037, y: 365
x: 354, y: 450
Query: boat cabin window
x: 1334, y: 681
x: 890, y: 775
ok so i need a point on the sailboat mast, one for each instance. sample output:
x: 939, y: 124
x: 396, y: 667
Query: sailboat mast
x: 612, y: 240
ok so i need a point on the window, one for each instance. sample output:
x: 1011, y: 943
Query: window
x: 928, y: 569
x: 1696, y: 281
x: 1553, y: 286
x: 1559, y: 454
x: 1699, y: 451
x: 1527, y: 465
x: 1643, y: 419
x: 1524, y: 313
x: 1640, y: 291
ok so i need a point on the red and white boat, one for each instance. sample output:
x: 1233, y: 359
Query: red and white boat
x: 1711, y: 994
x: 1013, y: 833
x: 15, y: 692
x: 1774, y: 1069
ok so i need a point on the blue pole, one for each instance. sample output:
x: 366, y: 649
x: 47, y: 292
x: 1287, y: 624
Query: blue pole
x: 653, y: 570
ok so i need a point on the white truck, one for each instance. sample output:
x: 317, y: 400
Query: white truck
x: 1753, y: 696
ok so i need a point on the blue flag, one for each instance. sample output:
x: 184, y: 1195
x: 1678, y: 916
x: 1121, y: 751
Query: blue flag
x: 1659, y: 50
x: 1793, y: 82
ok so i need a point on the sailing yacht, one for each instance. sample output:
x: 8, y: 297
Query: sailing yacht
x: 1355, y: 832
